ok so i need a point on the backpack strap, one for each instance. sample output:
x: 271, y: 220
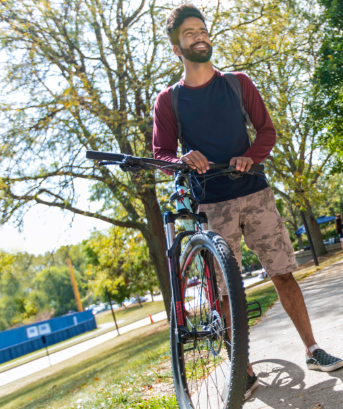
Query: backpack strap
x: 175, y: 89
x: 236, y: 86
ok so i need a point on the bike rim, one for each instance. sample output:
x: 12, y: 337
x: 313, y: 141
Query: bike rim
x: 206, y: 368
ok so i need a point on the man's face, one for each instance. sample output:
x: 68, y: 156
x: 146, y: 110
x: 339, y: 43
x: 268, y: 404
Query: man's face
x: 194, y: 42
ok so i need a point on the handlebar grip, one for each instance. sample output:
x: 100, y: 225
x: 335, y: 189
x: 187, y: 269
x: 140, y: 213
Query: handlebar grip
x: 257, y: 168
x: 104, y: 156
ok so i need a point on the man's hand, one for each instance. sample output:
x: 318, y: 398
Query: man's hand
x: 196, y: 160
x: 242, y: 164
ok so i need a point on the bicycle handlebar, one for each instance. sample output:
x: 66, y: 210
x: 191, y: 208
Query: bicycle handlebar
x: 105, y: 156
x: 133, y: 160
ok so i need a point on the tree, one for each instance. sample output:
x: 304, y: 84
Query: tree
x: 11, y: 293
x: 119, y: 262
x: 327, y: 109
x: 327, y: 201
x: 52, y: 290
x: 87, y: 72
x: 32, y: 286
x: 296, y: 163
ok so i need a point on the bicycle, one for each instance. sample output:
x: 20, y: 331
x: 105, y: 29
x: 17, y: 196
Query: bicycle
x: 208, y: 329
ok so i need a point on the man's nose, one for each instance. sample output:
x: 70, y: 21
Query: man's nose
x: 199, y: 36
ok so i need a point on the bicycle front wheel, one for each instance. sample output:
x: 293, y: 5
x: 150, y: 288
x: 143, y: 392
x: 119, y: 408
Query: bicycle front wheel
x: 210, y: 366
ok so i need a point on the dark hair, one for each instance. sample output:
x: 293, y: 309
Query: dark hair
x: 176, y: 18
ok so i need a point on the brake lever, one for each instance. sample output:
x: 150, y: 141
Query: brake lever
x: 129, y: 165
x: 236, y: 174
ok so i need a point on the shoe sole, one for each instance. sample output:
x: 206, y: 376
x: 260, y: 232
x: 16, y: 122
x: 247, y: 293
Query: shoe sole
x: 250, y: 391
x: 325, y: 368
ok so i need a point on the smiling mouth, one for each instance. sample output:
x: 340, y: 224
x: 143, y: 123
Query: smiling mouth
x: 201, y: 46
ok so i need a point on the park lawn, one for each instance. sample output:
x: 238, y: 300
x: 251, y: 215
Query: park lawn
x: 122, y: 373
x: 130, y: 314
x: 117, y: 374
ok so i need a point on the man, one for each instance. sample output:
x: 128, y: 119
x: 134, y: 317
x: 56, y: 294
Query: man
x: 214, y: 132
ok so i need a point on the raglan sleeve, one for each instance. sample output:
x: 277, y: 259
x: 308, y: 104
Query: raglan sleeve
x: 164, y: 136
x: 259, y: 116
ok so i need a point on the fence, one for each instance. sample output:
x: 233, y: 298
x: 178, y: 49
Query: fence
x: 26, y: 347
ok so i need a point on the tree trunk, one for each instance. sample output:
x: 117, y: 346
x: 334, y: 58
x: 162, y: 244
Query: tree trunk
x: 152, y: 295
x: 300, y: 242
x: 314, y: 230
x: 156, y: 242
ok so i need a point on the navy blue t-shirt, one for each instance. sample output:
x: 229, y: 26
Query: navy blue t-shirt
x: 213, y: 124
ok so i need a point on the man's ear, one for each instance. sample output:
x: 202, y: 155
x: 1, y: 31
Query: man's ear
x: 176, y: 50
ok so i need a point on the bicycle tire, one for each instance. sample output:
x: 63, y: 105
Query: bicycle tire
x: 192, y: 390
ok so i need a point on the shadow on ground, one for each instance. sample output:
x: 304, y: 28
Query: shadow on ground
x: 282, y: 385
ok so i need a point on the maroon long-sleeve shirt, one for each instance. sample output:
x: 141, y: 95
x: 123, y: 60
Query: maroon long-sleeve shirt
x: 165, y: 140
x: 227, y: 138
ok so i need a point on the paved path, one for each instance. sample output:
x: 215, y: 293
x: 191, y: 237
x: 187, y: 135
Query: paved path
x: 277, y: 353
x: 31, y: 367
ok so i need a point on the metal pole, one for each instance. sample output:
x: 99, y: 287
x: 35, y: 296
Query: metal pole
x: 114, y: 317
x: 313, y: 251
x: 46, y: 347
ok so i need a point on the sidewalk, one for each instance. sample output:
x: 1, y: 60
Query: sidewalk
x: 277, y: 353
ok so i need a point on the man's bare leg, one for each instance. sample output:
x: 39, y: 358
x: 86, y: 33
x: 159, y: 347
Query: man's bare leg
x: 293, y: 302
x: 226, y: 311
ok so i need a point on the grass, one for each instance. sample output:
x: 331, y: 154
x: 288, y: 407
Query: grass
x: 131, y: 371
x: 130, y: 314
x: 266, y: 296
x: 118, y: 374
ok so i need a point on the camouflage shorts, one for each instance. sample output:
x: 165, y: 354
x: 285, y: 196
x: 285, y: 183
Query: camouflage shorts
x: 257, y: 218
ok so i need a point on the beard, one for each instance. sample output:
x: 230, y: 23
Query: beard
x: 197, y: 55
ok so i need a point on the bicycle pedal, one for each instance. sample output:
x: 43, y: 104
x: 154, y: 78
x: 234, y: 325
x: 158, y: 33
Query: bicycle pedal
x: 254, y: 310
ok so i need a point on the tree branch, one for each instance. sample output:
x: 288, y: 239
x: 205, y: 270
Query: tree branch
x: 24, y: 199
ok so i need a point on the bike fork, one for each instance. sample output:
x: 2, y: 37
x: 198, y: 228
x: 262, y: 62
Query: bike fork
x: 174, y: 270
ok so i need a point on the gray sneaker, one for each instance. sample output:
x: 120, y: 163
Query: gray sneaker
x: 322, y: 361
x: 252, y: 383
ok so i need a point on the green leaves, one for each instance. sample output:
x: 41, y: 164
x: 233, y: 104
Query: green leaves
x: 119, y: 261
x: 327, y: 109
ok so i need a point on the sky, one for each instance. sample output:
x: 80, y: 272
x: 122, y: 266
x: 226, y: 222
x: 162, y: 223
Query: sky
x: 46, y: 229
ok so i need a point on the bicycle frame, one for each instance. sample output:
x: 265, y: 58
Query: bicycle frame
x: 190, y: 219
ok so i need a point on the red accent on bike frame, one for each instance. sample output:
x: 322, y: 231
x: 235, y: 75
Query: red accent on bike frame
x: 178, y: 308
x: 182, y: 191
x: 218, y: 307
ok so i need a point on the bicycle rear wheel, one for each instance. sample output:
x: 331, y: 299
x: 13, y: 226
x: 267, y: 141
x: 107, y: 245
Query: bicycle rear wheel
x: 204, y: 375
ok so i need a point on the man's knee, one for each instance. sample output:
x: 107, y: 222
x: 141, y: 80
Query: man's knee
x: 283, y: 280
